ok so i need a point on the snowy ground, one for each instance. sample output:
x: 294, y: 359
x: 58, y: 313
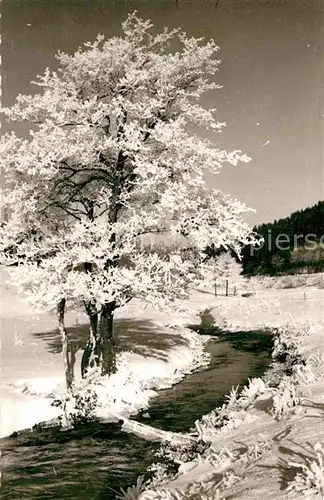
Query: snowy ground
x: 155, y: 356
x: 268, y: 443
x: 270, y: 434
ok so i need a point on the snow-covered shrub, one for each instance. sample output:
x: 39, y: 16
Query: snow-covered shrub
x: 291, y: 370
x: 225, y: 457
x: 243, y: 454
x: 309, y: 483
x: 85, y: 404
x: 250, y: 392
x: 161, y: 473
x: 220, y: 421
x: 132, y: 492
x: 287, y: 342
x: 77, y: 407
x: 205, y: 428
x: 170, y: 457
x: 232, y: 398
x: 229, y: 479
x: 231, y: 413
x: 285, y: 399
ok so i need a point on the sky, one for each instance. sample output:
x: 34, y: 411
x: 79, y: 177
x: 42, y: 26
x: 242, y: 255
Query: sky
x: 271, y: 72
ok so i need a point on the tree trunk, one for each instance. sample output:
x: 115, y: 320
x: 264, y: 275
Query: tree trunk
x: 215, y: 288
x: 226, y: 288
x: 107, y: 343
x: 73, y: 349
x: 91, y: 353
x: 68, y: 368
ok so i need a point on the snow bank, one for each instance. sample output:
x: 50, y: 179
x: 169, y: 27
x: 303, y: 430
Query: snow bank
x: 19, y: 411
x: 139, y: 378
x: 31, y: 370
x: 28, y: 401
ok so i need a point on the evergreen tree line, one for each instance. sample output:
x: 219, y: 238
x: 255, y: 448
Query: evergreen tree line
x: 301, y: 249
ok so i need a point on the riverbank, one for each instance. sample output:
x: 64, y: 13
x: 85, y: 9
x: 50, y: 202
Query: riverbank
x: 152, y: 356
x: 267, y: 441
x: 95, y: 459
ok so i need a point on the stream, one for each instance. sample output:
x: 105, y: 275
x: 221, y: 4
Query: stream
x: 93, y: 460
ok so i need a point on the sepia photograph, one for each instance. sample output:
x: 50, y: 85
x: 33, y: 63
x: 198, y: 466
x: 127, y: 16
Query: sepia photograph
x: 161, y: 250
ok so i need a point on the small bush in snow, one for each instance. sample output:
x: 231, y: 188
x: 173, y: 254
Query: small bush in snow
x: 310, y: 481
x: 293, y: 370
x: 285, y: 400
x: 232, y: 398
x: 161, y: 473
x: 77, y: 407
x: 85, y: 404
x: 171, y: 456
x: 287, y: 343
x: 132, y: 492
x: 286, y: 353
x: 250, y: 392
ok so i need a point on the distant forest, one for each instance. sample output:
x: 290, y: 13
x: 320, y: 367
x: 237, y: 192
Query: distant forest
x: 300, y: 249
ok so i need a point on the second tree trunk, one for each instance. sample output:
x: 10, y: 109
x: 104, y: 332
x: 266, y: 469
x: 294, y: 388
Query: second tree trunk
x: 67, y: 353
x: 100, y: 349
x: 107, y: 342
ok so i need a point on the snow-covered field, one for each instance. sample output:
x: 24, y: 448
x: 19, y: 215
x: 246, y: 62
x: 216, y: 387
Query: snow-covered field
x: 155, y: 357
x: 269, y: 442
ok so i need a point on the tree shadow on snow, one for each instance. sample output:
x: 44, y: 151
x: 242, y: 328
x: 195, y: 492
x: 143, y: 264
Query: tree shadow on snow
x: 142, y: 337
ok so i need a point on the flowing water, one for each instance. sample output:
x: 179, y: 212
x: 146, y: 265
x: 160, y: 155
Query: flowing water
x: 235, y: 357
x: 93, y: 461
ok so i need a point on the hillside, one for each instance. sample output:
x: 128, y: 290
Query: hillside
x: 293, y: 244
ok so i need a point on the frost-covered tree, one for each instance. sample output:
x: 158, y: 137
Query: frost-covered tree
x: 223, y: 272
x: 115, y: 157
